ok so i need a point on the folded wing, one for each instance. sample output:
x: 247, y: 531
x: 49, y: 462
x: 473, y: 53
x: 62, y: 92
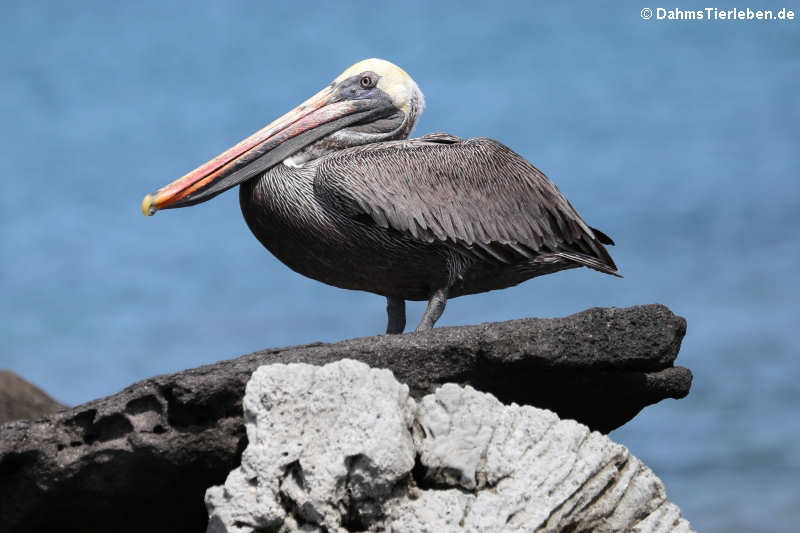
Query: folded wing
x: 476, y: 195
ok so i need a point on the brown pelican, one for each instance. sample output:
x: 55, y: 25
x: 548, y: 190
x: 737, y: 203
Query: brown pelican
x: 337, y: 191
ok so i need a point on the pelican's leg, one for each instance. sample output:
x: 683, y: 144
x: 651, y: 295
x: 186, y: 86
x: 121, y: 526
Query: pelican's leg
x: 435, y: 309
x: 396, y: 308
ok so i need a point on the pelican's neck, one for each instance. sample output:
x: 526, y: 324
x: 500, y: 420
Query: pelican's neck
x: 392, y: 128
x: 280, y: 194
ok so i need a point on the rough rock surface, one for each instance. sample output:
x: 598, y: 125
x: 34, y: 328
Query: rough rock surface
x: 344, y: 448
x: 325, y: 442
x: 20, y: 399
x: 142, y: 459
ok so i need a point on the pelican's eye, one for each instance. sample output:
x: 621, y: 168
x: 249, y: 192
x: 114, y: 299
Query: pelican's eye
x: 367, y: 81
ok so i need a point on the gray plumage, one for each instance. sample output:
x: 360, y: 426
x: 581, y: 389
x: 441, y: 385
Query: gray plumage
x: 407, y: 218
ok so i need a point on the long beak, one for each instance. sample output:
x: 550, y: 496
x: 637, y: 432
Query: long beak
x: 315, y: 118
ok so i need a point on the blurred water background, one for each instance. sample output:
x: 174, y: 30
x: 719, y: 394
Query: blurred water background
x: 679, y: 139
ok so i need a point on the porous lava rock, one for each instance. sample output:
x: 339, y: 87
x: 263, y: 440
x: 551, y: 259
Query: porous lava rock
x: 142, y: 459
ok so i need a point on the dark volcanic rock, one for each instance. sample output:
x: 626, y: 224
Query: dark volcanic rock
x: 20, y: 399
x: 142, y: 459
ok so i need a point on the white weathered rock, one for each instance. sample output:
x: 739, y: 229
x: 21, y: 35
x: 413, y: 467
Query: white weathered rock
x: 333, y: 449
x: 326, y: 445
x: 526, y: 470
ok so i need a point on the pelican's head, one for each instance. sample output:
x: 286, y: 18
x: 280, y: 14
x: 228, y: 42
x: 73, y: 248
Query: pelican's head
x: 384, y: 85
x: 389, y: 79
x: 372, y: 101
x: 380, y: 78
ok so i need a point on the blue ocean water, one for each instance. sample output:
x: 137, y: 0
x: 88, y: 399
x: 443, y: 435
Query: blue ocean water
x: 679, y: 139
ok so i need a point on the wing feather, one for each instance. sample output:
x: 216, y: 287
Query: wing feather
x: 476, y: 194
